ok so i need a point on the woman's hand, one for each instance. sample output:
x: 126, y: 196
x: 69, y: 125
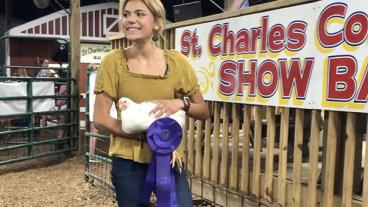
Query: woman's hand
x: 166, y: 107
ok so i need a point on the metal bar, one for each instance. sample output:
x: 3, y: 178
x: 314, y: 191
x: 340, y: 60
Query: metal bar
x: 19, y: 146
x: 30, y: 110
x: 39, y: 113
x: 34, y: 156
x: 104, y: 137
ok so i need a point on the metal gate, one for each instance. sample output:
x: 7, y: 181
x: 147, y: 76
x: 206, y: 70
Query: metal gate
x: 32, y: 124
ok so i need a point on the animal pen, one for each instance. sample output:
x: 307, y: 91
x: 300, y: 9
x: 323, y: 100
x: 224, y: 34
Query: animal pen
x: 250, y: 153
x: 25, y: 101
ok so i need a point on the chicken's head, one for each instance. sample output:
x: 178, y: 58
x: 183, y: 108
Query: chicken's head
x: 124, y: 103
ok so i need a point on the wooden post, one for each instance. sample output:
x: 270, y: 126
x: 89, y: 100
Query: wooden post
x: 190, y: 164
x: 333, y: 120
x: 257, y: 151
x: 120, y: 12
x: 348, y: 178
x: 216, y: 138
x: 198, y: 149
x: 8, y: 14
x: 207, y: 150
x: 365, y: 178
x: 227, y: 4
x: 225, y: 146
x: 271, y: 134
x: 298, y: 142
x: 235, y: 148
x: 75, y: 55
x: 313, y: 158
x: 245, y: 152
x: 283, y: 150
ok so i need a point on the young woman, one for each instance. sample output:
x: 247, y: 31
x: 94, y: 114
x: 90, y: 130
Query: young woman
x: 143, y: 72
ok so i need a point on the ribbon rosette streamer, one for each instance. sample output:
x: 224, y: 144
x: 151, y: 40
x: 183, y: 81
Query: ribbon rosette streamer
x: 163, y: 137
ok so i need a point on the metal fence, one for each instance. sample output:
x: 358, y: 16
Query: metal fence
x: 26, y: 133
x: 98, y: 163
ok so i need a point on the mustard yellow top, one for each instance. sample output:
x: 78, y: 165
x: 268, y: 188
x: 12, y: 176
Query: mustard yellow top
x: 115, y: 79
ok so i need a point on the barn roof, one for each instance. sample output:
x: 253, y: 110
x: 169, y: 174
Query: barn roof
x: 98, y: 21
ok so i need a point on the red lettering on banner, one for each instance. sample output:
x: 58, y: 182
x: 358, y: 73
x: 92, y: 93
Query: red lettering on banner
x: 296, y: 32
x: 353, y: 36
x: 327, y: 39
x: 247, y: 78
x: 267, y: 88
x: 215, y: 49
x: 363, y: 90
x: 277, y: 38
x: 264, y: 34
x: 189, y: 44
x: 256, y: 34
x: 341, y: 78
x: 266, y: 77
x: 185, y: 42
x: 242, y: 41
x: 223, y: 41
x: 295, y: 76
x: 228, y: 73
x: 355, y: 31
x: 228, y: 41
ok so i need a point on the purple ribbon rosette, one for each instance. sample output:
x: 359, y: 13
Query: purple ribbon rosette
x: 163, y: 136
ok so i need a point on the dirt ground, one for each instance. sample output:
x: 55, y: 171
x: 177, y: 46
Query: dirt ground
x: 56, y: 182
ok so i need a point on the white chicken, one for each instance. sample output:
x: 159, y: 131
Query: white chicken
x: 136, y: 118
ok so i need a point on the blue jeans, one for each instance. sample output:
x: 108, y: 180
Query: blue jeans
x: 128, y: 179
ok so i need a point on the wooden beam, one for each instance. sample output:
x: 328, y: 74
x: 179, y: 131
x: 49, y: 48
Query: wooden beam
x: 198, y: 149
x: 74, y: 32
x: 351, y: 131
x: 313, y: 158
x: 224, y: 170
x: 234, y: 171
x: 271, y: 134
x: 332, y: 136
x: 190, y: 163
x: 8, y: 14
x: 207, y: 149
x: 365, y: 178
x: 298, y: 142
x: 241, y: 12
x: 244, y: 186
x: 216, y: 140
x: 257, y: 150
x: 283, y: 150
x: 227, y: 4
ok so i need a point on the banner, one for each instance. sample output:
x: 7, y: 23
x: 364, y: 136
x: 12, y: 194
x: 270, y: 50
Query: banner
x: 93, y: 53
x: 14, y: 89
x: 310, y: 56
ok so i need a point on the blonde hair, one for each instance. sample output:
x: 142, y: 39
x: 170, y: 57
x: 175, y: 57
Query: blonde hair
x: 158, y: 11
x: 22, y: 72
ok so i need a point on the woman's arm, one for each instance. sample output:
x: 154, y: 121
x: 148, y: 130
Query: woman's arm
x: 101, y: 115
x: 103, y: 121
x: 198, y: 107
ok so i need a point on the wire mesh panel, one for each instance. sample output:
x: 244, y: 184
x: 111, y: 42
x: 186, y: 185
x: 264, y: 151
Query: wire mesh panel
x: 98, y: 163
